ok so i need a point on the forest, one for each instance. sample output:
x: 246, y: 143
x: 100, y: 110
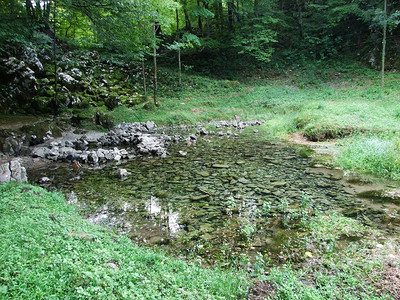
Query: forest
x: 218, y: 38
x: 199, y: 149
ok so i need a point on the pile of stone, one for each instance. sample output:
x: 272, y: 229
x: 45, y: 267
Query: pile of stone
x: 136, y: 139
x: 237, y: 123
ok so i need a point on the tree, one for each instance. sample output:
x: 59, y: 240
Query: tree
x: 188, y: 40
x: 381, y: 19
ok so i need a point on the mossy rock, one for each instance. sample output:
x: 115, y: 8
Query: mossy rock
x: 104, y: 120
x: 84, y: 103
x: 112, y: 102
x: 149, y: 105
x: 132, y: 100
x: 306, y: 152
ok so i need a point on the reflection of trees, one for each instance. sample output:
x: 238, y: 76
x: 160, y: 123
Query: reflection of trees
x: 155, y: 209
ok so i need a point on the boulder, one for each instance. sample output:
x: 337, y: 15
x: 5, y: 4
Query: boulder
x: 122, y: 173
x: 12, y: 171
x: 151, y: 144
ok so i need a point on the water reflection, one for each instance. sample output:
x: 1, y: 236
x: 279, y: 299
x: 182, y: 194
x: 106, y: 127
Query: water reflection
x: 153, y: 206
x: 225, y: 196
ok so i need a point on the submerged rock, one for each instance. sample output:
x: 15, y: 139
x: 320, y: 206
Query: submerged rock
x: 220, y: 166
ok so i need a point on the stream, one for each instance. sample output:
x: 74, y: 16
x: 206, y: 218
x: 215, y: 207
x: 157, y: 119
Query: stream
x: 220, y: 198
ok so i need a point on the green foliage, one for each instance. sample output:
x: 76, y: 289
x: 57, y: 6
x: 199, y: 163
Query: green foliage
x: 256, y: 39
x: 49, y: 251
x: 372, y: 154
x: 188, y: 40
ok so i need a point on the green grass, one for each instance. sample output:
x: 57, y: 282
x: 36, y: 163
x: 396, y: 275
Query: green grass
x: 359, y: 106
x: 323, y: 262
x: 335, y: 108
x: 49, y: 252
x: 374, y: 154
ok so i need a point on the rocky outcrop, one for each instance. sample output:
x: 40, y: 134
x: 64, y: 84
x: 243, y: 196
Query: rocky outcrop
x: 12, y: 171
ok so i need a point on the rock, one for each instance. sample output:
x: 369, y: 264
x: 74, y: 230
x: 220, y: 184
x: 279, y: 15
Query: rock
x: 5, y: 173
x: 12, y: 145
x: 12, y: 171
x: 150, y: 144
x: 109, y: 155
x: 220, y: 166
x: 124, y: 153
x: 243, y: 180
x: 68, y: 81
x: 40, y: 152
x: 202, y: 131
x: 122, y: 173
x: 203, y: 173
x: 266, y: 192
x: 150, y: 125
x: 44, y: 180
x: 197, y: 198
x: 93, y: 158
x: 279, y: 184
x: 76, y: 73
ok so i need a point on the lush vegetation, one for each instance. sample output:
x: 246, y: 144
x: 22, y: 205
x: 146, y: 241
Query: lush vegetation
x: 316, y: 68
x: 49, y: 251
x: 215, y: 37
x: 321, y: 107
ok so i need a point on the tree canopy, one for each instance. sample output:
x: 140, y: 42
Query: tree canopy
x: 257, y: 30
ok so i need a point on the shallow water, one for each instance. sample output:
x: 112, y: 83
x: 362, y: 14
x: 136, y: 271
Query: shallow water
x: 223, y: 198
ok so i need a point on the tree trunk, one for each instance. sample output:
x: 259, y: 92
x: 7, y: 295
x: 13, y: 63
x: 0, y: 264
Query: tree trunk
x: 188, y: 25
x: 230, y: 15
x: 221, y: 16
x: 300, y: 18
x: 256, y: 8
x: 144, y: 78
x: 29, y: 9
x: 155, y: 66
x: 384, y: 44
x: 281, y: 5
x: 200, y: 22
x: 179, y: 48
x: 55, y: 100
x: 207, y: 21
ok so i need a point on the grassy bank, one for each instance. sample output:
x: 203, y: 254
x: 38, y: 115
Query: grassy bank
x: 49, y: 252
x: 341, y: 105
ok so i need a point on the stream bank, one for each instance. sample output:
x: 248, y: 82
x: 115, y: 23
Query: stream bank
x: 218, y: 196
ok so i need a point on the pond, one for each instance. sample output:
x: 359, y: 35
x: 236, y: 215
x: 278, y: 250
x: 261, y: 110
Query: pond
x: 220, y: 198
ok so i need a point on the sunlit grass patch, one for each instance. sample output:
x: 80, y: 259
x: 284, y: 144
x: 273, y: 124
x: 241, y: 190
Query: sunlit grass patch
x: 377, y: 155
